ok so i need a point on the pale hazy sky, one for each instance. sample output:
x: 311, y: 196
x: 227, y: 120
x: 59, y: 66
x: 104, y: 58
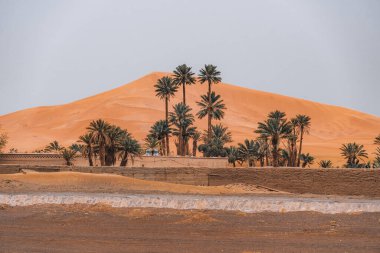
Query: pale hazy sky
x: 53, y: 52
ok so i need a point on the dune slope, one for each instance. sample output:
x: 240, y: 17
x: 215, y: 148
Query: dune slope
x: 135, y: 107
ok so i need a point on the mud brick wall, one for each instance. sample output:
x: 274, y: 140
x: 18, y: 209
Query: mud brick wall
x: 297, y: 180
x: 342, y: 181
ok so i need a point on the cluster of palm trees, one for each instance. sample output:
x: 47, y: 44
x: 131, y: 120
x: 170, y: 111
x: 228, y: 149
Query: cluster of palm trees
x: 355, y: 155
x: 279, y: 143
x: 104, y: 142
x: 180, y: 121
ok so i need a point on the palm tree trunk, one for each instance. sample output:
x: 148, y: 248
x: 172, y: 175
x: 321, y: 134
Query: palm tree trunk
x: 184, y: 92
x: 90, y: 162
x: 209, y: 112
x: 102, y: 151
x: 180, y: 142
x: 167, y: 123
x: 163, y: 145
x: 195, y: 144
x: 275, y: 155
x: 124, y: 160
x: 299, y: 152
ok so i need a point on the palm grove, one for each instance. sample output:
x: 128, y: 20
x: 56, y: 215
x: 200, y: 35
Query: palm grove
x: 279, y: 141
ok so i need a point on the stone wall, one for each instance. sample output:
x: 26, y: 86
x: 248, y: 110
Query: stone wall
x: 144, y: 161
x: 364, y: 182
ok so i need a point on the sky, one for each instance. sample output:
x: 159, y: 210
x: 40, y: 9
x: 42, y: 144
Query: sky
x: 55, y: 52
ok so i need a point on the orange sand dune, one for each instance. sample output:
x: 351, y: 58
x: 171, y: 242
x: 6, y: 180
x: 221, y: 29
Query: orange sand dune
x: 135, y: 107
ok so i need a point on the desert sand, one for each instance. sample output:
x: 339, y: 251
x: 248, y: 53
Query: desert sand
x: 135, y: 107
x: 108, y: 183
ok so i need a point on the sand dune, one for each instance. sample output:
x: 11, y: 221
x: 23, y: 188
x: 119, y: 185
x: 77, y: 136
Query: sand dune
x: 135, y: 107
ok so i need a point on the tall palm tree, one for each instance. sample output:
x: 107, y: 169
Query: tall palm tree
x: 99, y: 130
x: 165, y: 89
x: 274, y: 129
x: 210, y: 75
x: 183, y: 76
x: 54, y: 147
x: 181, y: 118
x: 129, y: 148
x: 353, y: 152
x: 325, y: 164
x: 87, y: 144
x: 303, y: 124
x: 307, y: 160
x: 248, y: 151
x: 212, y: 106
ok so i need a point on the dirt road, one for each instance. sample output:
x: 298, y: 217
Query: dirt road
x: 81, y: 228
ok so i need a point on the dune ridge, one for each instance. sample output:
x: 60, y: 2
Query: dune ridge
x: 135, y: 107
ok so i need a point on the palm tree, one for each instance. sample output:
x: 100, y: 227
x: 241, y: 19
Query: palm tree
x: 353, y: 153
x: 303, y: 124
x: 233, y: 155
x: 182, y: 119
x: 129, y: 148
x: 284, y: 158
x: 151, y: 143
x: 292, y: 142
x: 213, y: 107
x: 274, y: 129
x: 76, y: 147
x: 377, y: 140
x: 325, y: 164
x: 115, y: 135
x: 165, y: 89
x: 210, y: 75
x: 54, y: 147
x: 87, y: 145
x: 307, y: 160
x: 68, y: 155
x: 214, y: 147
x: 196, y: 136
x: 160, y: 130
x: 376, y: 163
x: 99, y: 130
x: 248, y: 151
x: 277, y: 115
x: 263, y: 152
x: 183, y: 76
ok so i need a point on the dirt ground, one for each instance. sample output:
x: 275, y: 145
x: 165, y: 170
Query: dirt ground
x: 80, y: 228
x: 31, y: 181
